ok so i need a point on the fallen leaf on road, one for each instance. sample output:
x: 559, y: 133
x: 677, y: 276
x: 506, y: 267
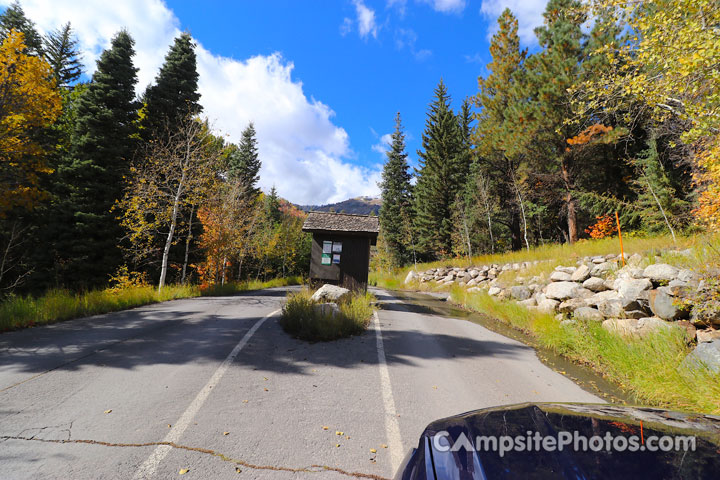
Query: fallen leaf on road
x: 245, y: 401
x: 339, y: 433
x: 238, y: 470
x: 169, y: 426
x: 347, y: 436
x: 434, y: 387
x: 265, y: 378
x: 372, y: 450
x: 383, y: 445
x: 325, y: 428
x: 107, y: 411
x: 226, y: 433
x: 337, y: 444
x: 266, y: 389
x: 183, y: 471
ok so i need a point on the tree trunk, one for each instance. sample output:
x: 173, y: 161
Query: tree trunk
x: 171, y: 233
x: 569, y: 202
x: 188, y: 240
x: 515, y: 240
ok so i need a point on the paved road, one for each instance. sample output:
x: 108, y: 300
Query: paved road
x: 220, y: 380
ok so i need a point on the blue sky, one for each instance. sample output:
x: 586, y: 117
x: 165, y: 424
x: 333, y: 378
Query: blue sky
x: 322, y: 80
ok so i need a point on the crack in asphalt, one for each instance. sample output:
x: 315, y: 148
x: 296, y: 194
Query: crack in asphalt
x: 309, y: 469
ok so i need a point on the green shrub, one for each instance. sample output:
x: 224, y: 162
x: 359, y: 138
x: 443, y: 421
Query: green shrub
x: 303, y: 319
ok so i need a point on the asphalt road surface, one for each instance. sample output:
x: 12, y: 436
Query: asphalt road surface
x: 213, y: 385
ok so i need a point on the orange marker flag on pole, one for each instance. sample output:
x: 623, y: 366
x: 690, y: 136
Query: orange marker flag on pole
x: 622, y: 252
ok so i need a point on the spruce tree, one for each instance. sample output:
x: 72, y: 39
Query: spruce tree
x: 61, y: 52
x: 272, y: 207
x: 498, y: 96
x: 99, y: 159
x: 439, y: 177
x: 14, y: 19
x: 395, y: 215
x: 175, y: 93
x: 243, y: 162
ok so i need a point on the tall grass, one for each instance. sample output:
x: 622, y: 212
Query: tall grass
x: 58, y: 305
x: 648, y: 369
x: 303, y: 319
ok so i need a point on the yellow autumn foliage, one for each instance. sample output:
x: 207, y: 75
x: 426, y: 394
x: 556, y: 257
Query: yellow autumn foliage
x: 30, y: 100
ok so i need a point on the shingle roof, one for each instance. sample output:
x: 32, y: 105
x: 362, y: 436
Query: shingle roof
x: 341, y: 222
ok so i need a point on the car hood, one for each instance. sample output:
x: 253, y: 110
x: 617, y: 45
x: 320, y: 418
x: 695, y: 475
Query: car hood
x: 461, y: 447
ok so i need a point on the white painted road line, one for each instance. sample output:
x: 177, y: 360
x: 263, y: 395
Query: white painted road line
x: 392, y: 427
x: 149, y: 467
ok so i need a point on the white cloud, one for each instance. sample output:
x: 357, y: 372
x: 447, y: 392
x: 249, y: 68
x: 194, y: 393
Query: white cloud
x: 406, y: 38
x: 446, y: 6
x: 365, y: 20
x: 384, y: 144
x: 346, y: 26
x: 528, y: 12
x: 302, y: 150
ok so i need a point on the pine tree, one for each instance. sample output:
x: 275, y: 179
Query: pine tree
x: 272, y: 207
x: 439, y: 177
x: 100, y: 155
x: 243, y: 162
x: 541, y: 132
x: 395, y: 215
x: 14, y: 19
x: 498, y: 95
x: 61, y: 52
x: 175, y: 93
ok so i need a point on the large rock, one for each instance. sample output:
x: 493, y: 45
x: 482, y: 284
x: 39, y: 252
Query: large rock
x: 663, y: 305
x: 412, y: 276
x: 599, y: 297
x: 570, y: 305
x: 530, y: 302
x: 581, y: 274
x: 601, y: 269
x: 520, y: 292
x: 633, y: 292
x: 660, y: 272
x: 635, y: 260
x: 494, y: 291
x: 560, y: 277
x: 687, y: 276
x: 707, y: 335
x: 562, y: 290
x: 705, y: 355
x: 547, y: 305
x: 330, y: 293
x: 611, y: 308
x: 587, y: 314
x: 568, y: 270
x: 595, y: 284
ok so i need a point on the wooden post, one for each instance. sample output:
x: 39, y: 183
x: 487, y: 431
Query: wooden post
x: 622, y: 252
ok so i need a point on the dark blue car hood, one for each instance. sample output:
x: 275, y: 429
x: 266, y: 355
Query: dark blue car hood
x: 473, y: 461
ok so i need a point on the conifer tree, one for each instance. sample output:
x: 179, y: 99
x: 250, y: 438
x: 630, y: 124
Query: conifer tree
x: 61, y: 52
x: 541, y: 132
x: 498, y: 95
x: 272, y: 207
x: 14, y: 19
x: 440, y: 176
x: 243, y: 162
x: 175, y: 93
x: 395, y: 215
x: 100, y: 155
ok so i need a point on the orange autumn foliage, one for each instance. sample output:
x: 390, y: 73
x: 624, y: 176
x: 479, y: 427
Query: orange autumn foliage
x: 603, y: 227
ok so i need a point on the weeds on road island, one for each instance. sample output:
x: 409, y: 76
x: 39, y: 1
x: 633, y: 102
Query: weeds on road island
x: 306, y: 319
x: 58, y: 305
x: 649, y: 369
